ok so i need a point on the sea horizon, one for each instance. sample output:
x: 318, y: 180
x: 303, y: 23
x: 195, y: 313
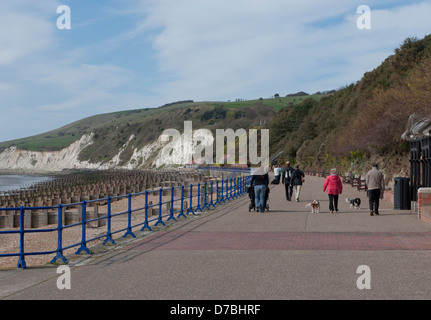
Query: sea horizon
x: 9, y: 182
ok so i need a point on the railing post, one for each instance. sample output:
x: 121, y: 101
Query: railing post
x: 171, y: 211
x: 235, y: 195
x: 205, y: 201
x: 182, y: 203
x: 160, y: 220
x: 129, y: 217
x: 21, y: 260
x: 211, y: 199
x: 243, y: 189
x: 217, y: 194
x: 83, y: 223
x: 191, y: 200
x: 146, y: 213
x: 231, y: 189
x: 59, y: 254
x: 222, y: 190
x: 108, y: 217
x: 198, y: 208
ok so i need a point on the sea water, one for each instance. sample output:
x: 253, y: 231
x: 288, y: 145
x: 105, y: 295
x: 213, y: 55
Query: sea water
x: 15, y: 182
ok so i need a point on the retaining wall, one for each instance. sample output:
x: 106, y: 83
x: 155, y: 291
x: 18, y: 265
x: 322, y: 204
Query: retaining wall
x: 424, y: 204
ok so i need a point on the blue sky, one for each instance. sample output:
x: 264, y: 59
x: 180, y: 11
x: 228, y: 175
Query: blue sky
x: 128, y: 54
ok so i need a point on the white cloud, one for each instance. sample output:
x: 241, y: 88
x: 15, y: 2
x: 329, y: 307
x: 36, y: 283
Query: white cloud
x: 43, y: 83
x: 17, y: 37
x: 224, y: 48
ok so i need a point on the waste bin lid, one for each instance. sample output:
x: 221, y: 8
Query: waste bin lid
x: 401, y: 178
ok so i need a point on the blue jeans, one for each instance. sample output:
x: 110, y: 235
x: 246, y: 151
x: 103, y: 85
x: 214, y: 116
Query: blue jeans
x: 259, y: 196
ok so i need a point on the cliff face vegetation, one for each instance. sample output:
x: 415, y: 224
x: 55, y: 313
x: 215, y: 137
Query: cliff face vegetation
x: 362, y: 122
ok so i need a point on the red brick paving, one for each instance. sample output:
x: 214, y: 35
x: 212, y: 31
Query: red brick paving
x: 176, y: 240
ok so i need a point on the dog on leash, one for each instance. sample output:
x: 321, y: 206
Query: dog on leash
x: 354, y: 203
x: 314, y: 205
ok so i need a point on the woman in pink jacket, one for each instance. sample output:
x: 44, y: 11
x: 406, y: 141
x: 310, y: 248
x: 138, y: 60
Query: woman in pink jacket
x: 334, y: 187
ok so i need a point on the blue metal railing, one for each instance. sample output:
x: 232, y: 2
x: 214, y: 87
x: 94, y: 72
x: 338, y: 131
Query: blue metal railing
x: 214, y: 193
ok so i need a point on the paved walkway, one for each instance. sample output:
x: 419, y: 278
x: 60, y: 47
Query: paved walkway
x: 230, y: 253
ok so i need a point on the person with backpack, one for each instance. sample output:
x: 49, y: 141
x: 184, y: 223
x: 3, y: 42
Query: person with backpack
x: 286, y: 177
x: 296, y: 181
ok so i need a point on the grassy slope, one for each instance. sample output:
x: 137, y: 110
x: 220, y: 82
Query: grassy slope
x: 64, y: 136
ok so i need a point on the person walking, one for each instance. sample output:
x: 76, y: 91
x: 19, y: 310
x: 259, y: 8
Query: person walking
x: 260, y: 180
x: 276, y: 174
x: 297, y: 180
x: 286, y: 179
x: 375, y: 182
x: 334, y: 187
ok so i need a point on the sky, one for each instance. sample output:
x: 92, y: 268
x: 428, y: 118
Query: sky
x: 130, y: 54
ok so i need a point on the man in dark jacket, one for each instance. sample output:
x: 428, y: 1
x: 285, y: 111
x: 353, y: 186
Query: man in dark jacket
x: 296, y: 181
x: 286, y: 177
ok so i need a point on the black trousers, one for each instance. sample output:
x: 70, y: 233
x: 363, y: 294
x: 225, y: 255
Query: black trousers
x: 333, y: 202
x: 373, y: 197
x: 289, y: 191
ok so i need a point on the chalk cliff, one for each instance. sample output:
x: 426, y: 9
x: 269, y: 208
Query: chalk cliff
x: 160, y: 153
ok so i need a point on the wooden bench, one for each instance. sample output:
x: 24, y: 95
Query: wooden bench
x: 361, y: 184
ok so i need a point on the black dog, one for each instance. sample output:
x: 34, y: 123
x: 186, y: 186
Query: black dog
x: 354, y: 203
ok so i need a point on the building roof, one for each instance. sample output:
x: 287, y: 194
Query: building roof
x: 418, y: 127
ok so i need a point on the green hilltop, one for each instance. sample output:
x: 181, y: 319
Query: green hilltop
x: 113, y: 130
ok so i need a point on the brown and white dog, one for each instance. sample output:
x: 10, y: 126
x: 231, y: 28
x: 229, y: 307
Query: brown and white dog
x: 315, y: 206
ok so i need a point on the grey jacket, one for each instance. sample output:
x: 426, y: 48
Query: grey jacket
x: 374, y: 179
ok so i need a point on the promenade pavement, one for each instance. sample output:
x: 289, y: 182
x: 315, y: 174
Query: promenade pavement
x: 229, y: 253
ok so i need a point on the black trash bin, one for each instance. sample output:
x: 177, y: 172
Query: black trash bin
x: 402, y: 193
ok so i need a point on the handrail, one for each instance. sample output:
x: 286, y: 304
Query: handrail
x: 214, y: 193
